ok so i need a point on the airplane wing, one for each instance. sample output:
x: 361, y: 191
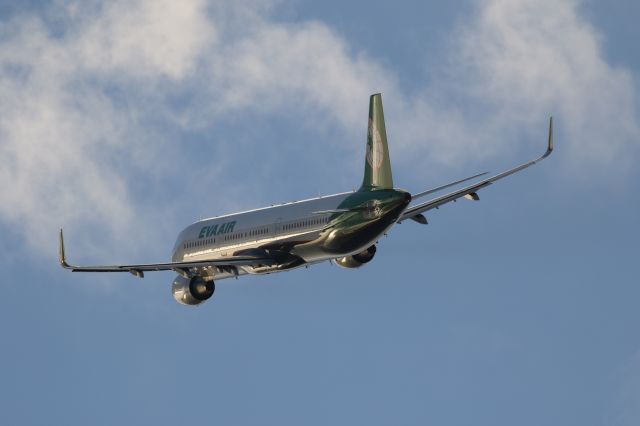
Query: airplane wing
x: 469, y: 192
x: 440, y: 188
x: 180, y: 267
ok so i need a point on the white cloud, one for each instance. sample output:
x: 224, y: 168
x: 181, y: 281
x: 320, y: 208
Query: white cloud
x: 510, y: 66
x: 71, y: 146
x: 146, y: 38
x: 530, y: 58
x: 280, y: 65
x: 63, y: 134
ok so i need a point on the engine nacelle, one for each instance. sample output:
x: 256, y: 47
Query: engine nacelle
x: 192, y: 291
x: 357, y: 260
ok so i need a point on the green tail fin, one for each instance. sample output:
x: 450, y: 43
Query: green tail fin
x: 377, y: 167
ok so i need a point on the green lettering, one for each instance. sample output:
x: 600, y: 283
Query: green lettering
x: 212, y: 230
x: 231, y: 225
x: 222, y: 229
x: 202, y: 232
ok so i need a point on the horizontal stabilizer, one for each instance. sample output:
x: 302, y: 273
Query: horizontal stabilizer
x: 420, y: 219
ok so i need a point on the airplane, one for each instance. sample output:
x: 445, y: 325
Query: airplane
x: 342, y: 228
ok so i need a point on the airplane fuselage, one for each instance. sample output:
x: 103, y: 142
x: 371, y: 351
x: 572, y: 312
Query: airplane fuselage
x: 295, y: 234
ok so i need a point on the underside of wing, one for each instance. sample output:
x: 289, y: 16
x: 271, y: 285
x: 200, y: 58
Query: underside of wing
x: 180, y: 267
x: 469, y: 192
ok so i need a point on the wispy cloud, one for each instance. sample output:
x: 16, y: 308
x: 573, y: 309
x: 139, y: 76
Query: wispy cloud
x: 89, y: 96
x: 528, y: 58
x: 66, y: 130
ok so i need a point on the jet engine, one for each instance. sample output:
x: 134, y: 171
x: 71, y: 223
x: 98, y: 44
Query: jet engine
x: 357, y: 260
x: 192, y: 291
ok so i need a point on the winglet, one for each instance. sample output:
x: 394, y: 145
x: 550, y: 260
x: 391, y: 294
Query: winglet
x: 63, y: 260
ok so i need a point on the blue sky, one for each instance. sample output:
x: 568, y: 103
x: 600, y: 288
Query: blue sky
x: 125, y: 121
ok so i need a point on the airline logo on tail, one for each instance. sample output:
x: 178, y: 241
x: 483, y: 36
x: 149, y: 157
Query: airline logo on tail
x: 374, y: 147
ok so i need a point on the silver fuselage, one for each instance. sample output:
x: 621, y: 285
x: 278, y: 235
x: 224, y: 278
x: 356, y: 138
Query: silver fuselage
x: 299, y: 233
